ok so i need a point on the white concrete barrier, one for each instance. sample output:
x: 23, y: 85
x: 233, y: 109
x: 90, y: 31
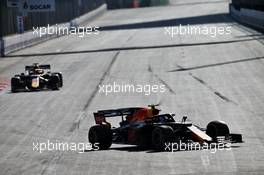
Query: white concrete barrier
x: 19, y: 41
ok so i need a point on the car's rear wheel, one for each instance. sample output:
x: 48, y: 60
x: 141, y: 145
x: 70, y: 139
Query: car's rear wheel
x: 160, y: 136
x: 217, y: 128
x: 101, y: 135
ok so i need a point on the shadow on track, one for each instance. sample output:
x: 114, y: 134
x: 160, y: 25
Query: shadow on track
x: 113, y: 49
x: 216, y: 64
x: 138, y: 149
x: 196, y: 20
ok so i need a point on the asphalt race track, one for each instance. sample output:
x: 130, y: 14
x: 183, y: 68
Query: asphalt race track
x: 207, y: 78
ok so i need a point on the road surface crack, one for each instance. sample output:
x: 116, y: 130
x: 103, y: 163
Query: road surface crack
x: 77, y: 122
x: 217, y: 93
x: 101, y: 81
x: 161, y: 80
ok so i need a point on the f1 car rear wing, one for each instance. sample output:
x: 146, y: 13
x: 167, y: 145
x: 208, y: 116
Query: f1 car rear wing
x: 100, y: 116
x: 43, y: 66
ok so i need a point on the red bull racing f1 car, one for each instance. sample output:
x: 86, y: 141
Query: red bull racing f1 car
x: 147, y: 128
x: 35, y: 78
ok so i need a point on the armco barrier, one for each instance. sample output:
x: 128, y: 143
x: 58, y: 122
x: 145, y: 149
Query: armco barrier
x: 252, y: 18
x: 16, y: 42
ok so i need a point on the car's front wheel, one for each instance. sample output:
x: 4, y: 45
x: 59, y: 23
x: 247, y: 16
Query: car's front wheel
x: 60, y: 78
x: 54, y: 82
x: 217, y: 128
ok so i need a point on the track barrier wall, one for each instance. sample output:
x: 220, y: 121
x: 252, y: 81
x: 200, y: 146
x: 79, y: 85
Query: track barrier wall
x: 67, y: 13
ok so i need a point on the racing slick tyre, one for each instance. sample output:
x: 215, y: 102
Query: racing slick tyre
x: 101, y: 135
x: 160, y: 136
x: 60, y: 79
x: 217, y: 128
x: 14, y: 84
x: 54, y: 82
